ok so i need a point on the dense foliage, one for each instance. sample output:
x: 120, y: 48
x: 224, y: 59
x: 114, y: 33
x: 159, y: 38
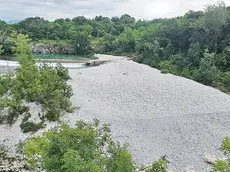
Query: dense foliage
x: 37, y: 85
x: 88, y: 147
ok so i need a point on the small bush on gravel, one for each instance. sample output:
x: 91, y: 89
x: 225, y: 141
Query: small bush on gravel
x: 223, y: 165
x: 42, y: 84
x: 159, y: 166
x: 29, y: 126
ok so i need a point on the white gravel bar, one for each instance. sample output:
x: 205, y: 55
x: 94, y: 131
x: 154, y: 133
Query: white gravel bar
x: 156, y: 114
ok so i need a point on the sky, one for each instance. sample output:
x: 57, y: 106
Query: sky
x: 140, y: 9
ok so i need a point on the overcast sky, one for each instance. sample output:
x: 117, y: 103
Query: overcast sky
x: 141, y: 9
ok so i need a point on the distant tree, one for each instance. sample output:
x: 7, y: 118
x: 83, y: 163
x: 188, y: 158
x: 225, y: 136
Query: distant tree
x: 87, y: 29
x: 5, y: 31
x: 214, y: 18
x: 79, y: 20
x: 2, y: 22
x: 127, y: 19
x: 36, y: 27
x: 194, y: 55
x: 208, y: 73
x: 81, y: 44
x: 59, y: 21
x: 194, y: 14
x: 102, y: 19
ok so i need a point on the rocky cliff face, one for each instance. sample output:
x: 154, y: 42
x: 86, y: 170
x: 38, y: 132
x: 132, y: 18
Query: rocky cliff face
x: 52, y: 48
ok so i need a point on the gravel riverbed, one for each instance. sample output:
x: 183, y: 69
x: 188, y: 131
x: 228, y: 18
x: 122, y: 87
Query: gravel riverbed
x: 156, y: 114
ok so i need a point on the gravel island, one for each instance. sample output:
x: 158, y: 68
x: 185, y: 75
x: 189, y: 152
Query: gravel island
x: 156, y: 114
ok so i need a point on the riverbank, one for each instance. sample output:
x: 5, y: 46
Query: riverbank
x: 156, y: 114
x: 55, y: 58
x: 11, y: 65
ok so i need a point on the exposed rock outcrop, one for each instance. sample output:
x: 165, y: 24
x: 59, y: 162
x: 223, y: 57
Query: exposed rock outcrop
x: 52, y: 48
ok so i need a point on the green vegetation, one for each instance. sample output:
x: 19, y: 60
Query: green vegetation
x: 42, y: 85
x: 87, y: 147
x: 224, y: 165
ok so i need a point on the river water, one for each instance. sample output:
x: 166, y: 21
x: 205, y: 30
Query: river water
x: 10, y: 66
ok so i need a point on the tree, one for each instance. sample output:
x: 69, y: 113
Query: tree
x: 36, y: 28
x: 194, y: 54
x: 79, y: 20
x: 214, y: 18
x: 87, y: 29
x: 127, y: 19
x: 194, y: 14
x: 5, y: 41
x: 207, y: 73
x: 81, y: 44
x: 44, y: 85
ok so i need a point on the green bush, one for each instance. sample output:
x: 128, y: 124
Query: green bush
x: 159, y: 166
x: 207, y: 73
x: 167, y: 67
x: 225, y: 82
x: 223, y: 165
x: 43, y: 85
x: 29, y: 126
x: 86, y: 147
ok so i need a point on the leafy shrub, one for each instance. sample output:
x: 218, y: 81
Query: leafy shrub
x: 81, y: 44
x: 86, y: 147
x: 43, y: 85
x: 223, y: 165
x: 167, y: 67
x: 159, y: 166
x: 207, y: 73
x: 225, y: 82
x: 29, y: 126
